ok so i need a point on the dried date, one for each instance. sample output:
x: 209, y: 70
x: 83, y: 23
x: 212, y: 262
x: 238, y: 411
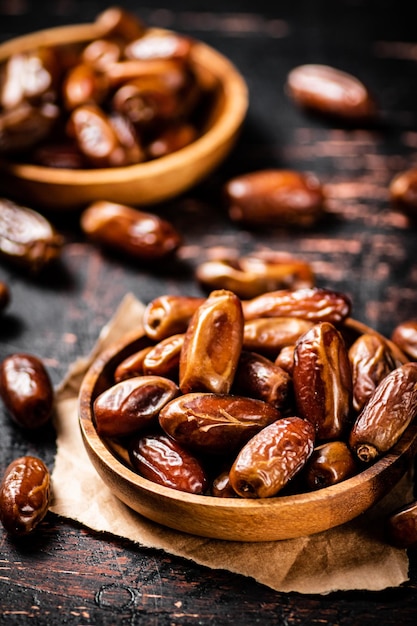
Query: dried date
x: 404, y: 336
x: 163, y: 461
x: 322, y: 380
x: 268, y: 335
x: 330, y: 92
x: 329, y: 464
x: 137, y: 234
x: 132, y: 405
x: 25, y: 495
x: 27, y: 238
x: 401, y: 526
x: 275, y: 198
x: 389, y: 411
x: 215, y: 423
x: 26, y: 390
x: 212, y: 345
x: 272, y: 458
x: 168, y: 315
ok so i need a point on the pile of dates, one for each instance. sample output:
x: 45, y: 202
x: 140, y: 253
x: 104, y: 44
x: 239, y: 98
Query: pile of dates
x: 130, y: 95
x: 275, y: 394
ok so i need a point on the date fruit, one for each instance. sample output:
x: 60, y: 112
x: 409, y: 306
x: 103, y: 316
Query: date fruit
x: 138, y: 234
x: 315, y: 304
x: 215, y: 423
x: 268, y: 335
x: 389, y: 411
x: 371, y: 360
x: 404, y: 336
x: 272, y: 458
x: 212, y: 344
x: 329, y: 464
x: 163, y: 461
x: 330, y: 92
x: 275, y: 198
x: 27, y: 238
x: 25, y: 495
x: 401, y: 526
x: 322, y: 380
x: 132, y: 404
x: 26, y: 390
x: 168, y: 315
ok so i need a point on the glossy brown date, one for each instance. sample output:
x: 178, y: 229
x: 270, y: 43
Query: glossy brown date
x: 322, y: 381
x: 214, y: 423
x: 163, y: 359
x: 221, y: 487
x: 132, y: 404
x: 268, y: 335
x: 258, y: 377
x: 168, y: 315
x: 27, y: 238
x: 404, y: 336
x: 131, y: 366
x: 251, y: 276
x: 212, y: 344
x: 275, y: 198
x: 25, y: 126
x: 83, y: 84
x: 137, y: 234
x: 330, y: 92
x: 329, y: 464
x: 371, y: 360
x: 163, y: 461
x: 314, y: 304
x: 387, y: 414
x: 119, y: 23
x: 25, y: 495
x: 272, y: 458
x: 26, y: 390
x: 401, y: 526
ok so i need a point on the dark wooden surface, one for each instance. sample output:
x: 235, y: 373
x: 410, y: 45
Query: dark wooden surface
x: 66, y: 574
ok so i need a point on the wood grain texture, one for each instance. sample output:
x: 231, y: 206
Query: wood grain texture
x: 68, y: 575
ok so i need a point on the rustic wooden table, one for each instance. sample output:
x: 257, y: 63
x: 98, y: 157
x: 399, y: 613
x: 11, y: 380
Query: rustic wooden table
x: 66, y: 574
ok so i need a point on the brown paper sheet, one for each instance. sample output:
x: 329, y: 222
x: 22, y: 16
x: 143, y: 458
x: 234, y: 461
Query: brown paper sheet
x: 349, y: 557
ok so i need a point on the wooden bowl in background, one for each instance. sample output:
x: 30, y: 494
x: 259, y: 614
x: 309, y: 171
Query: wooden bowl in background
x: 268, y: 519
x: 148, y: 182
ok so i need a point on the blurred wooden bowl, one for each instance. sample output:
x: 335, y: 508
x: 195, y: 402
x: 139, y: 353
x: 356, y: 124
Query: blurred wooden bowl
x: 145, y: 183
x: 268, y: 519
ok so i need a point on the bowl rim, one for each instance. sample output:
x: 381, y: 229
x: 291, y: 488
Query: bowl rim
x: 235, y: 106
x: 404, y: 449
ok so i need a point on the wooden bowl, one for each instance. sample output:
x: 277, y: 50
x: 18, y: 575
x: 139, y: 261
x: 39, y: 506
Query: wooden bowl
x: 268, y: 519
x: 149, y: 182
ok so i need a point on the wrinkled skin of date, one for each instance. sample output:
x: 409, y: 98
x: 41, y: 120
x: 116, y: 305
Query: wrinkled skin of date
x: 272, y: 458
x: 329, y: 464
x: 268, y: 335
x: 404, y: 336
x: 388, y: 412
x: 401, y: 526
x: 403, y: 192
x: 257, y: 377
x: 163, y: 461
x: 26, y: 390
x: 314, y: 304
x: 330, y: 92
x: 213, y: 423
x: 27, y: 239
x: 212, y: 345
x: 323, y: 381
x: 24, y: 495
x: 132, y: 404
x: 140, y: 235
x: 275, y: 197
x: 169, y: 315
x: 371, y: 360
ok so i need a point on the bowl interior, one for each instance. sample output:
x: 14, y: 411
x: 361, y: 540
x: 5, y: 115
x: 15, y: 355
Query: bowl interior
x: 148, y: 182
x: 280, y: 517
